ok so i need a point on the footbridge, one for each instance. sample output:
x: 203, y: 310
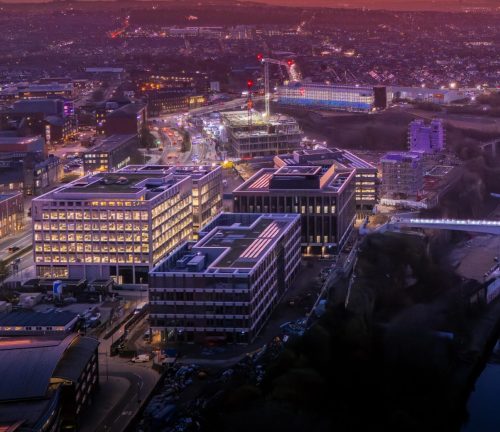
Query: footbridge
x: 478, y: 226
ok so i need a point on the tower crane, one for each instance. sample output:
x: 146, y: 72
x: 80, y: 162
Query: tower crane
x: 293, y: 74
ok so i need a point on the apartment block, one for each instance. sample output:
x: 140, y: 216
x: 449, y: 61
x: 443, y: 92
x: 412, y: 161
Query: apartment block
x: 402, y: 174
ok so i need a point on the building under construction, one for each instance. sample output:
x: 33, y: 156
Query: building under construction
x: 251, y: 134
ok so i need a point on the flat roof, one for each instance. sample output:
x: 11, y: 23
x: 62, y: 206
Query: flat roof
x: 329, y: 181
x: 33, y: 319
x: 195, y: 171
x: 240, y: 119
x: 235, y: 244
x: 341, y: 87
x: 133, y: 185
x: 340, y: 157
x: 302, y: 170
x: 400, y: 156
x: 5, y: 197
x: 111, y: 143
x: 19, y: 140
x: 439, y: 171
x: 130, y: 109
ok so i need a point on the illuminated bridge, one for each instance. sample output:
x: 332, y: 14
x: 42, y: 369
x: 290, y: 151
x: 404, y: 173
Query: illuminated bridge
x: 479, y: 226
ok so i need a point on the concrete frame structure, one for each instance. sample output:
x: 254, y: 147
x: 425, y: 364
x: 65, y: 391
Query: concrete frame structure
x: 225, y: 286
x: 325, y: 201
x: 252, y: 135
x: 402, y: 174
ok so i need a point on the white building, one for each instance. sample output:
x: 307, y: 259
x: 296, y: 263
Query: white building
x: 426, y: 138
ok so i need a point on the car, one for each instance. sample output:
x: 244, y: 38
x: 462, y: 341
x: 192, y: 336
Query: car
x: 12, y: 249
x: 141, y: 358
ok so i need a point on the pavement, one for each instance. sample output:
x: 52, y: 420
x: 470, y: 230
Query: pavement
x: 125, y: 387
x: 227, y: 355
x: 111, y: 390
x: 475, y: 256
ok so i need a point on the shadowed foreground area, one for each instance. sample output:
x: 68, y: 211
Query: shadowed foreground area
x: 379, y: 364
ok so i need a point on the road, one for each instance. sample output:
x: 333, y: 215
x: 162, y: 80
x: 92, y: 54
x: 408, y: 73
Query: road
x: 124, y: 387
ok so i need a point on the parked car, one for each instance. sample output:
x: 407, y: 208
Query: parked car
x: 141, y: 358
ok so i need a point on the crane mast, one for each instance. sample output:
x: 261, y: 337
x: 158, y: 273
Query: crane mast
x: 293, y: 75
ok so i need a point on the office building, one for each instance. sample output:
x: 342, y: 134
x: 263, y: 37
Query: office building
x: 53, y: 119
x: 206, y: 189
x: 115, y: 152
x: 325, y: 200
x: 128, y: 119
x: 11, y: 213
x: 253, y: 135
x: 111, y: 225
x: 426, y: 138
x: 25, y: 90
x: 224, y: 287
x: 47, y: 381
x: 423, y: 94
x: 170, y: 100
x: 29, y: 323
x: 329, y: 96
x: 402, y: 174
x: 25, y: 166
x: 366, y: 173
x: 102, y: 109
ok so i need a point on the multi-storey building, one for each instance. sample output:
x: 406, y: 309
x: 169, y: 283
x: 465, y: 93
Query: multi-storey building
x: 111, y: 225
x: 426, y: 138
x: 325, y: 200
x: 254, y: 135
x: 171, y: 100
x: 129, y: 119
x: 113, y: 153
x: 25, y: 167
x: 402, y: 174
x: 366, y: 173
x: 225, y: 286
x: 326, y: 96
x: 11, y: 213
x: 207, y: 188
